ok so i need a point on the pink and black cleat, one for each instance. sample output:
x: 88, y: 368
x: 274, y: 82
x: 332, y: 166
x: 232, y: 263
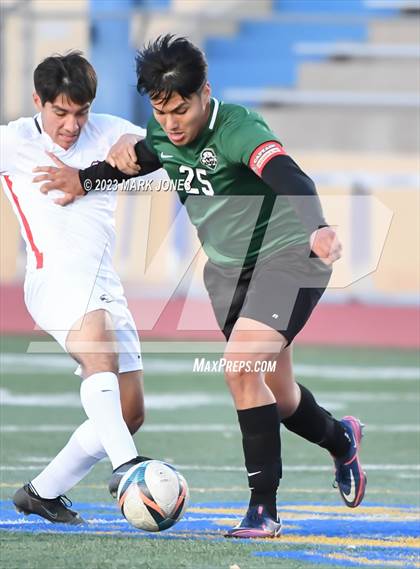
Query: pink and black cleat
x: 257, y: 523
x: 350, y: 479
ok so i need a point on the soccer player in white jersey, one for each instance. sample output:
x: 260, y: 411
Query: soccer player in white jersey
x: 71, y: 288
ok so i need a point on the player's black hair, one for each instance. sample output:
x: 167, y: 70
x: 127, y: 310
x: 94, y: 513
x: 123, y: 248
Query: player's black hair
x: 170, y: 65
x: 70, y: 75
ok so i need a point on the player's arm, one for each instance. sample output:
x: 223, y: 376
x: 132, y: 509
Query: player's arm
x: 122, y: 154
x: 285, y: 178
x: 76, y: 183
x: 146, y: 160
x: 281, y: 173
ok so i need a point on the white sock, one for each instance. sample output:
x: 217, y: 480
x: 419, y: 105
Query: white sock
x: 100, y: 395
x: 72, y: 463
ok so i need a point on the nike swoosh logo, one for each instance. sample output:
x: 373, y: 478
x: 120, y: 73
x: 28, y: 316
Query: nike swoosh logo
x: 53, y: 516
x: 254, y: 473
x: 163, y: 155
x: 351, y: 496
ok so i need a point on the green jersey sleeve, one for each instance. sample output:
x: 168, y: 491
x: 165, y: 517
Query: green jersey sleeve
x: 246, y: 133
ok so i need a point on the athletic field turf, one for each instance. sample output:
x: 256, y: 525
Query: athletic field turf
x: 191, y: 423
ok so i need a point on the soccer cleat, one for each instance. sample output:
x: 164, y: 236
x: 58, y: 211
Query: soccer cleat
x: 56, y: 510
x: 349, y: 476
x: 119, y: 472
x: 256, y: 523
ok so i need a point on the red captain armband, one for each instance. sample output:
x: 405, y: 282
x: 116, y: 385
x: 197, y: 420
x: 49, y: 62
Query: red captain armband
x: 263, y: 154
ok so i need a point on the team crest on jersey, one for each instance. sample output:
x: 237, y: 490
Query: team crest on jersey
x: 208, y: 158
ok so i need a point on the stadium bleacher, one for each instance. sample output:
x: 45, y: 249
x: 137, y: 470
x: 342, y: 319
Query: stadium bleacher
x: 262, y: 53
x: 355, y: 7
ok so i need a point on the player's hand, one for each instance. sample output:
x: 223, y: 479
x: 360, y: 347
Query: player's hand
x: 325, y: 244
x: 62, y: 178
x: 123, y: 156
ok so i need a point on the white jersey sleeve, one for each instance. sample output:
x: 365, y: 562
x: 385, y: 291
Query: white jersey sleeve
x: 114, y: 127
x: 8, y: 146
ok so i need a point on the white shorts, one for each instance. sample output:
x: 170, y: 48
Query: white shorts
x: 57, y: 299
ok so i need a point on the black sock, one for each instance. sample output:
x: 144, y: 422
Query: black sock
x: 260, y: 428
x: 317, y: 425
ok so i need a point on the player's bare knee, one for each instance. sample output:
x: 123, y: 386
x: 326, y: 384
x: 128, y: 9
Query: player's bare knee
x: 237, y: 373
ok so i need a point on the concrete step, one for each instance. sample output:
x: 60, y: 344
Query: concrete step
x: 240, y: 8
x: 396, y: 30
x: 345, y: 130
x: 360, y: 75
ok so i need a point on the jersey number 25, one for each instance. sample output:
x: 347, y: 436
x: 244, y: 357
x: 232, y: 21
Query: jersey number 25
x: 200, y: 174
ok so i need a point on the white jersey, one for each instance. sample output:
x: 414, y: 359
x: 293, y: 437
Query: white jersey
x: 82, y: 234
x: 69, y: 249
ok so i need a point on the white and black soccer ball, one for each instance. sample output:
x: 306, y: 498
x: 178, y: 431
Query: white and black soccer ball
x: 153, y: 495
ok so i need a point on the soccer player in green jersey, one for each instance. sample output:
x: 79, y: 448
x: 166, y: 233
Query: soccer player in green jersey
x: 270, y: 252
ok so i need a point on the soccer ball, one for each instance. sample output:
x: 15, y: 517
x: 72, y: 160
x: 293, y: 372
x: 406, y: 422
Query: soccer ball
x: 152, y: 495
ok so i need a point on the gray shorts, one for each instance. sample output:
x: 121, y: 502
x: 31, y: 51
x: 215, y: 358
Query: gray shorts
x: 280, y: 291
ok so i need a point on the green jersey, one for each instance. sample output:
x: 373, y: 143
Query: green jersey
x: 237, y: 215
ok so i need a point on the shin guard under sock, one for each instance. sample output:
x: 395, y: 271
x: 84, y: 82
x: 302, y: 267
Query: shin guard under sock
x: 260, y: 428
x: 317, y: 425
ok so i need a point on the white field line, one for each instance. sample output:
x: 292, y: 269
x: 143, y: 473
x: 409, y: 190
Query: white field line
x: 369, y: 396
x: 409, y: 476
x: 290, y: 468
x: 165, y: 401
x: 179, y: 400
x: 286, y: 515
x: 37, y: 428
x: 187, y: 518
x: 12, y: 363
x: 236, y: 489
x: 291, y: 515
x: 153, y: 401
x: 305, y: 468
x: 35, y: 459
x: 195, y: 428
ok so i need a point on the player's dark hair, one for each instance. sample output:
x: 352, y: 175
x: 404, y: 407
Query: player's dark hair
x: 170, y: 65
x: 70, y: 75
